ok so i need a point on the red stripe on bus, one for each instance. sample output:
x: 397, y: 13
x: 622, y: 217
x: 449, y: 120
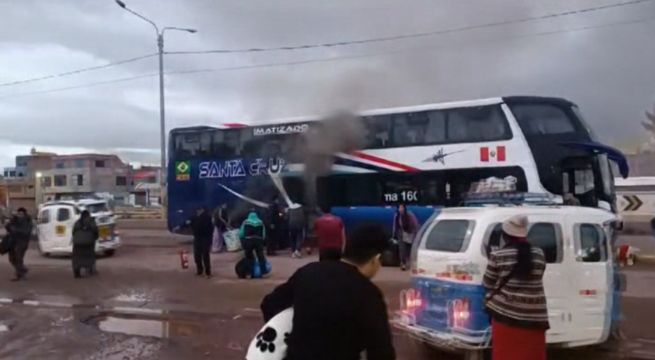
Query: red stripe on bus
x: 383, y: 161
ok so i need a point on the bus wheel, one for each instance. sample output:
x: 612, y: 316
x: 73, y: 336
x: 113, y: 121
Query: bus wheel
x: 110, y: 253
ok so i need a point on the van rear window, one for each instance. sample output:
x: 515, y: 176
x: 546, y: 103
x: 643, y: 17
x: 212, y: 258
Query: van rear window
x: 450, y: 235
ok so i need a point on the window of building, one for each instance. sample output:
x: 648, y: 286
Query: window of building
x: 79, y: 180
x: 450, y: 235
x: 591, y: 243
x: 60, y: 165
x: 44, y: 217
x: 548, y: 237
x: 100, y: 163
x: 121, y: 181
x: 63, y: 214
x: 60, y: 180
x: 79, y: 163
x: 46, y: 181
x: 542, y: 119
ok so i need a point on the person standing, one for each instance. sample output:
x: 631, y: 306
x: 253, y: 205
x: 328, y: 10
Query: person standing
x: 221, y: 220
x: 330, y: 234
x: 85, y: 235
x: 296, y: 228
x: 405, y: 227
x: 338, y: 312
x: 515, y: 297
x: 19, y: 229
x: 203, y: 229
x: 253, y: 235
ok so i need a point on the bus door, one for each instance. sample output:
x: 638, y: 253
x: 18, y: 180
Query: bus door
x: 594, y: 284
x: 578, y: 179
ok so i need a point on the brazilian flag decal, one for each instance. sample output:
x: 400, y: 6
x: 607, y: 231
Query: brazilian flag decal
x: 182, y: 171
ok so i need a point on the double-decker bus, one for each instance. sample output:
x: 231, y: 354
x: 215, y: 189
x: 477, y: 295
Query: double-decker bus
x: 424, y: 156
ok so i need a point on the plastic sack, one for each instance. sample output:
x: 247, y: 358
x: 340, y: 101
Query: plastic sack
x: 232, y: 241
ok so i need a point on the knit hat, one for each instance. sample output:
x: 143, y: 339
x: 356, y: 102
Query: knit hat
x: 516, y: 226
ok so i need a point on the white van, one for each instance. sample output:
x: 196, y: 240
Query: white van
x: 445, y: 307
x: 55, y: 223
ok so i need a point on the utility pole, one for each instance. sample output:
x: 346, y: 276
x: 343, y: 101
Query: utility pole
x: 162, y: 107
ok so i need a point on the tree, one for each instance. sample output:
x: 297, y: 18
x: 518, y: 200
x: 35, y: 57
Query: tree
x: 650, y: 123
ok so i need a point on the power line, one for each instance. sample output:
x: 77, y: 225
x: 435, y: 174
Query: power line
x: 320, y: 60
x: 415, y: 35
x: 78, y: 71
x: 399, y: 51
x: 93, y: 84
x: 332, y: 44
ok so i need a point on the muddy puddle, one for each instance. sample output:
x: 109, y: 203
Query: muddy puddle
x: 161, y: 326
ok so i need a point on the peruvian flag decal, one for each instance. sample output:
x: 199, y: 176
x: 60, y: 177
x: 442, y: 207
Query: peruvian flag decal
x: 488, y: 154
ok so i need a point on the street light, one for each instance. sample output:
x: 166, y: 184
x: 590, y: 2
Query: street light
x: 162, y: 117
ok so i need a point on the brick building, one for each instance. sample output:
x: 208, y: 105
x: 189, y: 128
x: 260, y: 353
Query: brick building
x: 40, y: 177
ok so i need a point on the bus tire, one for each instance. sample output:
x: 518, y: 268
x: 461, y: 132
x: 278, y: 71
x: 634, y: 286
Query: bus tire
x: 110, y: 253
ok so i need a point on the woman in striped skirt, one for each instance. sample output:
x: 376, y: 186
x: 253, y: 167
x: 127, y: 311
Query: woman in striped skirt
x: 515, y: 296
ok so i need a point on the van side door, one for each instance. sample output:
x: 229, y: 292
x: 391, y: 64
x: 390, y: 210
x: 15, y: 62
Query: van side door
x: 593, y: 278
x: 546, y: 232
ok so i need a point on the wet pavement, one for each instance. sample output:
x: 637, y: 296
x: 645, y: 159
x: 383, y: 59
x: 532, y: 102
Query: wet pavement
x: 143, y: 306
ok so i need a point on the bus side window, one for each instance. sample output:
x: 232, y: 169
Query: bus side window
x: 591, y: 243
x: 483, y: 123
x: 542, y: 119
x: 548, y: 237
x: 378, y: 130
x: 225, y: 143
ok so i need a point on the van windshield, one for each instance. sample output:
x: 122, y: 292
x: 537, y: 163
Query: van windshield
x: 450, y: 235
x: 97, y: 208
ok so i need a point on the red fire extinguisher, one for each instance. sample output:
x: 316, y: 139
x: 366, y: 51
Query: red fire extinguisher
x: 184, y: 259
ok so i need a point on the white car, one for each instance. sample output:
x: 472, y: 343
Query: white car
x: 55, y: 223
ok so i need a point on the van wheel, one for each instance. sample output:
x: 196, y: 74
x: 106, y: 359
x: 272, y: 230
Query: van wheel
x: 110, y: 253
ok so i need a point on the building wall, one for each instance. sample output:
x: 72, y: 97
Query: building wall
x: 100, y: 174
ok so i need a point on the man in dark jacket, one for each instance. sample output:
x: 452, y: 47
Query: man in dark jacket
x: 19, y: 228
x: 338, y: 312
x: 203, y: 229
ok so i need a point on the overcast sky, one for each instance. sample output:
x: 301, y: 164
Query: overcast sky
x: 603, y: 60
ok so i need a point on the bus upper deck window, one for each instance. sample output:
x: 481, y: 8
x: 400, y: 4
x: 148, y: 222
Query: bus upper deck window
x: 377, y: 131
x: 225, y: 143
x: 187, y: 144
x: 542, y: 119
x: 482, y: 123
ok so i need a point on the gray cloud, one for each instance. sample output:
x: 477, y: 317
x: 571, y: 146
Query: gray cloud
x: 607, y: 70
